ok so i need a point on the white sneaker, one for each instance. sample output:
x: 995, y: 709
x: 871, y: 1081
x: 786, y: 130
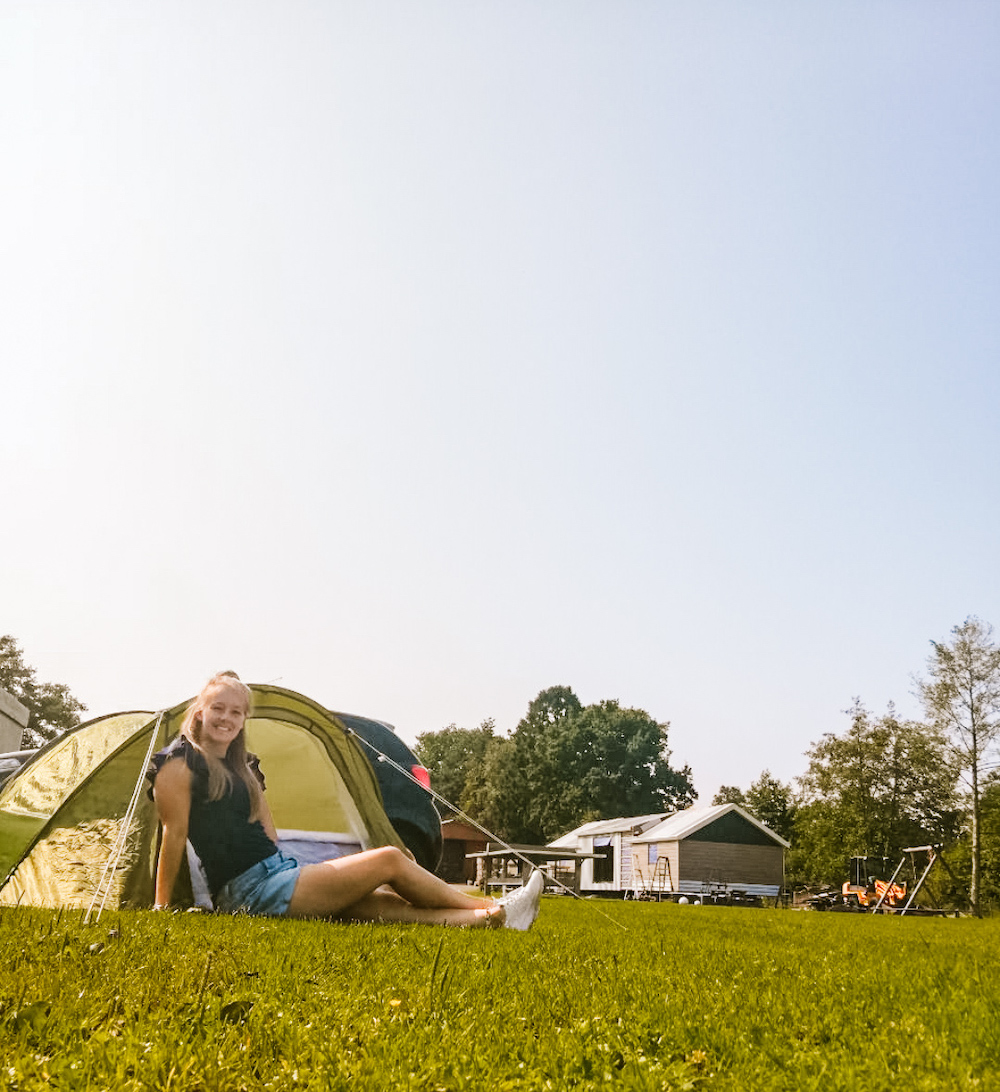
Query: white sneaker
x: 521, y: 907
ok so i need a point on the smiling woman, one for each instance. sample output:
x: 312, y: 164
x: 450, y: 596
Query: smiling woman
x: 208, y: 789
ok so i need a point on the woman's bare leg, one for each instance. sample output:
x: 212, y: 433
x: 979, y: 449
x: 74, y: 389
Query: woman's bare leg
x: 327, y: 889
x: 384, y: 906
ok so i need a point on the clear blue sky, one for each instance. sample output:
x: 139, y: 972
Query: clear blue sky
x: 422, y: 356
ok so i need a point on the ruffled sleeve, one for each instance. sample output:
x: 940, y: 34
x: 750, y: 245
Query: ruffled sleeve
x: 254, y: 763
x: 180, y: 747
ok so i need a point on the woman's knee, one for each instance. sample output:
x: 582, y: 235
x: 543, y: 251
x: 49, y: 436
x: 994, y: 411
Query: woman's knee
x: 391, y: 857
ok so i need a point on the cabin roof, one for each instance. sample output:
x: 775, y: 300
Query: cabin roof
x: 673, y: 828
x: 683, y: 824
x: 623, y: 825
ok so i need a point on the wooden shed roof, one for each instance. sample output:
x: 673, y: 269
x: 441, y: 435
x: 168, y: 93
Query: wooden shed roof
x: 730, y: 823
x: 634, y: 824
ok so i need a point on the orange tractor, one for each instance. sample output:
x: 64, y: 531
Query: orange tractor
x: 868, y: 888
x: 869, y: 892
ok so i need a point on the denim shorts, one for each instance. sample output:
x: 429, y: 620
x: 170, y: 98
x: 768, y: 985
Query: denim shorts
x: 264, y: 890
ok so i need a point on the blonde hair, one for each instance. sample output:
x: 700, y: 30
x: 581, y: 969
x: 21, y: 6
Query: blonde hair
x: 221, y: 771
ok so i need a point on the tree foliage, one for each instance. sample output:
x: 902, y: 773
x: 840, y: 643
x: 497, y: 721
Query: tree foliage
x: 768, y: 799
x: 773, y: 803
x: 566, y: 764
x: 730, y: 794
x: 452, y: 754
x: 52, y: 707
x: 882, y: 785
x: 958, y: 880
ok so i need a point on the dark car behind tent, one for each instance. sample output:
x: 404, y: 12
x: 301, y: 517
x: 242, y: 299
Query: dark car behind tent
x: 11, y: 762
x: 408, y: 806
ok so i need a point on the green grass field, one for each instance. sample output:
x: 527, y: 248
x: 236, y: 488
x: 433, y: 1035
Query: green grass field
x: 681, y: 998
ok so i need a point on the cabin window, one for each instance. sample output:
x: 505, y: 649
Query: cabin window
x: 604, y: 862
x: 653, y: 850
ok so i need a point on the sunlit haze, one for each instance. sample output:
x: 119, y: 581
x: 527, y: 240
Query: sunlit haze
x: 422, y: 356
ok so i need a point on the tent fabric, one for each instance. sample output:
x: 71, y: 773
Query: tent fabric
x: 62, y: 814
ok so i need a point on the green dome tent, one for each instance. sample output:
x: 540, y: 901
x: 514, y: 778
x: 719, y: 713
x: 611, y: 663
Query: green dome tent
x: 82, y: 800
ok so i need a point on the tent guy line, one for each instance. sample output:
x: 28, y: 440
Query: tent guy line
x: 382, y: 757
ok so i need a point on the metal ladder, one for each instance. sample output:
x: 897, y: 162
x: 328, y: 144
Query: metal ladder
x: 659, y: 881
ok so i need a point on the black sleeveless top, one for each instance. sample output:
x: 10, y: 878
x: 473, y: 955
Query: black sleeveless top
x: 225, y: 840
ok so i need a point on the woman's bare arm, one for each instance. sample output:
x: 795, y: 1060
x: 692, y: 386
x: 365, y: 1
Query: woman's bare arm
x: 267, y: 822
x: 172, y: 793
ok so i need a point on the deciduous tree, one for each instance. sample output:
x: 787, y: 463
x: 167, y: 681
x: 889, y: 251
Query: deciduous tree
x: 959, y: 856
x: 452, y: 754
x: 882, y: 785
x: 767, y: 799
x: 52, y: 707
x: 773, y: 803
x: 566, y: 764
x: 961, y: 696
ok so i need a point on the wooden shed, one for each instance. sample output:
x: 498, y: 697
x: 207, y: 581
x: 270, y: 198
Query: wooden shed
x: 706, y: 850
x: 459, y: 841
x: 711, y: 850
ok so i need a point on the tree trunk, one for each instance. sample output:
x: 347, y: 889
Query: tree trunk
x: 974, y: 886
